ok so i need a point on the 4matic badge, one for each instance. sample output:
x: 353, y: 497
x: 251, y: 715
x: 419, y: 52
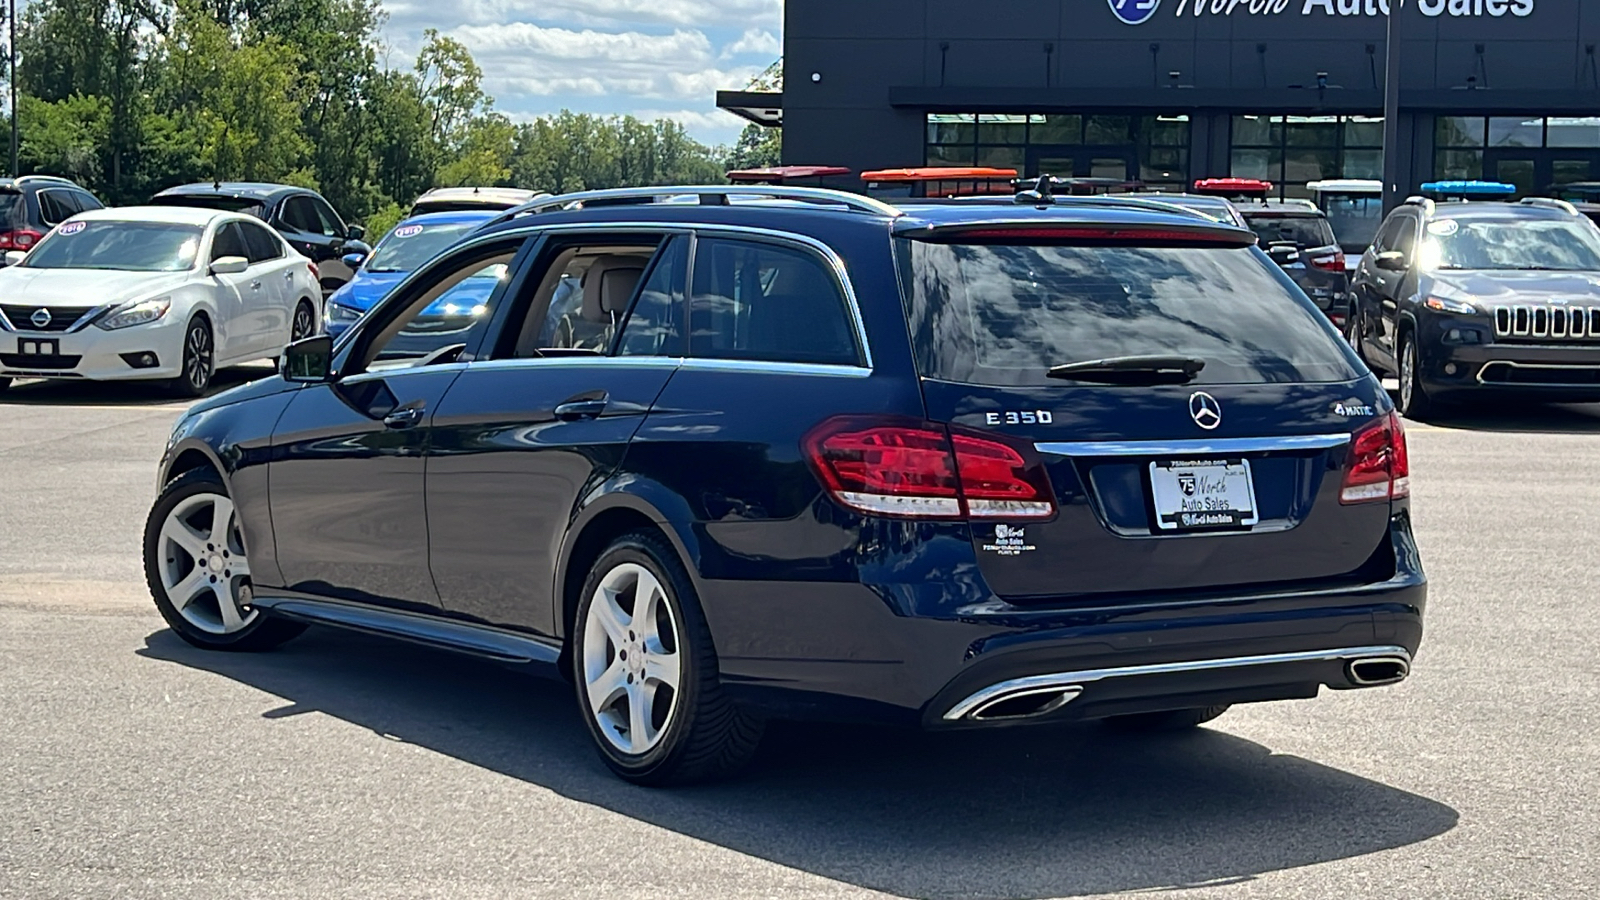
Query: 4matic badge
x: 1010, y: 540
x: 1352, y: 409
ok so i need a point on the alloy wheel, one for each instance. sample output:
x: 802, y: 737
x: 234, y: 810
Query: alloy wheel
x: 202, y: 564
x: 304, y: 321
x: 197, y: 357
x: 631, y: 661
x: 1408, y: 374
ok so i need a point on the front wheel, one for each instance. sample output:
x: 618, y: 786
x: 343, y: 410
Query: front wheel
x: 4, y: 384
x: 1414, y: 400
x: 199, y: 360
x: 198, y: 570
x: 646, y: 671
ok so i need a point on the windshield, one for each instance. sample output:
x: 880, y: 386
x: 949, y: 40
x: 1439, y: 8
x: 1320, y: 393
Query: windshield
x: 1302, y: 231
x: 123, y: 246
x: 1355, y: 219
x: 244, y: 205
x: 409, y: 246
x: 1558, y: 244
x: 1004, y: 315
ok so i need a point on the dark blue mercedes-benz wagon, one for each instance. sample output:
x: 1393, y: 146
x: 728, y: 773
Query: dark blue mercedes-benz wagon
x: 720, y: 455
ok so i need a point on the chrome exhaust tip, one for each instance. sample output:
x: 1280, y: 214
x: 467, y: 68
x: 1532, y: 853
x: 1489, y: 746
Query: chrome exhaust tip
x: 1375, y: 671
x: 1023, y: 704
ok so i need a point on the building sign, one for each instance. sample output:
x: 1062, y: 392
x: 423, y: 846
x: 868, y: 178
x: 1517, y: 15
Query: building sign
x: 1138, y: 12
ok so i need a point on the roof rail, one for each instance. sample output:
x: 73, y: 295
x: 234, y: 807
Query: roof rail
x: 1551, y: 203
x: 1149, y: 202
x: 1419, y: 200
x: 705, y: 195
x: 53, y: 179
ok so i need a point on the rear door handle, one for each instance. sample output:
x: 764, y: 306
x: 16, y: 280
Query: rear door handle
x: 588, y: 408
x: 403, y: 418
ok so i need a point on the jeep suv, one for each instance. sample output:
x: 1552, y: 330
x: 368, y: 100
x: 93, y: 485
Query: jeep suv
x: 32, y: 205
x: 1470, y: 299
x: 800, y: 453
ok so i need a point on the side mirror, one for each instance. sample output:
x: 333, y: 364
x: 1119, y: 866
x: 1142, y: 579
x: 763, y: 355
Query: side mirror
x: 354, y: 260
x: 1390, y: 261
x: 229, y: 265
x: 308, y: 360
x: 15, y: 256
x: 355, y: 232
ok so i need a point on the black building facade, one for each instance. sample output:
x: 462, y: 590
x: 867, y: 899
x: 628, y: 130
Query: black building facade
x: 1167, y: 91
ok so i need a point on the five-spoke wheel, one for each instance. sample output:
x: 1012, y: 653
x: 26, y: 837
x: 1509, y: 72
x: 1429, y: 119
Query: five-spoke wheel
x: 631, y: 665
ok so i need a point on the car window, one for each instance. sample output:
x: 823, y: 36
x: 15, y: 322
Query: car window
x: 299, y: 214
x: 51, y: 208
x: 1302, y: 231
x: 766, y: 302
x: 262, y: 243
x: 449, y: 306
x: 579, y: 298
x: 327, y: 220
x: 411, y: 244
x: 1405, y: 236
x: 1006, y: 314
x: 655, y: 324
x: 245, y: 205
x: 88, y: 201
x: 1570, y: 245
x: 228, y: 242
x: 118, y: 246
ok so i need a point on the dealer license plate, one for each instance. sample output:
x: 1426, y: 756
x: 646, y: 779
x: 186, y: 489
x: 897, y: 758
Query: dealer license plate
x: 1193, y: 495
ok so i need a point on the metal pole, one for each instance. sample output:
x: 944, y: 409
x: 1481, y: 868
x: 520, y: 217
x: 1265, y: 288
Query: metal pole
x: 1393, y: 160
x: 13, y: 23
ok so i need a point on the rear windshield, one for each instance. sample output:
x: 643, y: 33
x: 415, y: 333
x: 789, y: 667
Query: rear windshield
x: 120, y: 246
x: 13, y: 210
x: 1355, y: 219
x: 246, y: 205
x: 1302, y: 231
x: 1004, y: 315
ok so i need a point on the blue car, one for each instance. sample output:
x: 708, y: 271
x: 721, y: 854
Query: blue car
x: 401, y: 252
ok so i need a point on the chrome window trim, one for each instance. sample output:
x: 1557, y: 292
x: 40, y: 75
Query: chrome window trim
x: 1068, y: 679
x: 1197, y: 447
x: 775, y: 367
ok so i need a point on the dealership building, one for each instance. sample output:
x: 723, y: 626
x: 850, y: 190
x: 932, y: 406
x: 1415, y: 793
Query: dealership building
x: 1168, y: 91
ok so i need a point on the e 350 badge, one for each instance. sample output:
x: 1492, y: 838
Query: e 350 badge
x: 1010, y: 540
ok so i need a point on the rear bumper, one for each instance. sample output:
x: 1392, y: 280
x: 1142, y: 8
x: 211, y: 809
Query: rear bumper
x: 846, y: 654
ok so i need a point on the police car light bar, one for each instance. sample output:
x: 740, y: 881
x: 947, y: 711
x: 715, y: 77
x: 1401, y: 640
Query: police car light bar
x: 1469, y: 190
x: 1233, y: 187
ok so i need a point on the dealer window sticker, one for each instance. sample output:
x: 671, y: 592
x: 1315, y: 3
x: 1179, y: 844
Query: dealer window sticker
x: 72, y: 227
x: 1444, y: 227
x: 408, y: 231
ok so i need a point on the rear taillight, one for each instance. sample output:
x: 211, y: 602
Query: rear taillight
x: 1333, y: 263
x: 19, y: 240
x: 923, y: 470
x: 316, y: 275
x: 1380, y: 468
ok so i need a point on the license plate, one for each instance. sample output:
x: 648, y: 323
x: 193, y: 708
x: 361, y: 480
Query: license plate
x: 38, y: 347
x: 1195, y: 495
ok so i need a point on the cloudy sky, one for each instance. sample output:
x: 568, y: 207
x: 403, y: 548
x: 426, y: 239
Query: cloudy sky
x: 646, y: 57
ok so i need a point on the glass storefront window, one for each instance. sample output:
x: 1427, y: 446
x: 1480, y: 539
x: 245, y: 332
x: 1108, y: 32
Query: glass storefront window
x: 1256, y: 131
x: 1574, y: 132
x: 950, y: 155
x: 1302, y: 165
x: 1459, y: 131
x: 1458, y: 165
x: 1311, y: 131
x: 1107, y: 130
x: 1002, y: 129
x: 1263, y: 163
x: 1001, y: 157
x: 1510, y: 131
x: 1055, y: 129
x: 1363, y: 131
x: 951, y: 128
x: 1363, y: 164
x: 1170, y: 131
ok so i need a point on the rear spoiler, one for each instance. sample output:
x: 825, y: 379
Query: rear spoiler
x: 1163, y: 233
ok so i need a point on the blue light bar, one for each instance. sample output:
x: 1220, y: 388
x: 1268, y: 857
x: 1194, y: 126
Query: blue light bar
x: 1470, y: 190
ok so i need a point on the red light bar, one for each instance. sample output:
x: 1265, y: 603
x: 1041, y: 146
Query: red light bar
x: 1226, y: 186
x: 781, y: 174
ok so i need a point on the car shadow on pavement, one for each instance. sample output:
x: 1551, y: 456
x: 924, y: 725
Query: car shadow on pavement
x: 1024, y: 813
x: 36, y: 392
x: 1504, y: 415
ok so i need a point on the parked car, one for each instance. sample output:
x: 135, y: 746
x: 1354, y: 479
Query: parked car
x: 962, y: 465
x: 464, y: 199
x: 1354, y: 208
x: 152, y: 293
x: 32, y: 205
x: 1473, y: 299
x: 402, y: 251
x: 302, y: 216
x: 1298, y: 237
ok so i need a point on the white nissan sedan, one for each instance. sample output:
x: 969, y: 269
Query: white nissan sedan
x: 152, y: 293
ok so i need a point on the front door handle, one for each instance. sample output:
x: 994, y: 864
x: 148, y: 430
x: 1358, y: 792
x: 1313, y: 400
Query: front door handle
x: 588, y: 408
x: 255, y: 285
x: 403, y: 418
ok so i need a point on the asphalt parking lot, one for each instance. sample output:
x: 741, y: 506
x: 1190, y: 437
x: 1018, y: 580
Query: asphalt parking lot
x: 132, y: 765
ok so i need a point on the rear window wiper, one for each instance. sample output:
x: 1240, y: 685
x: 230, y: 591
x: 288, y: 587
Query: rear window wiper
x: 1132, y: 370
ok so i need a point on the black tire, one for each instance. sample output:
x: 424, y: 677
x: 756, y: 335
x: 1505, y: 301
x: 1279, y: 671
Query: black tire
x: 1413, y: 400
x: 1166, y: 720
x: 199, y: 360
x: 262, y: 632
x: 4, y: 384
x: 304, y: 323
x: 705, y: 736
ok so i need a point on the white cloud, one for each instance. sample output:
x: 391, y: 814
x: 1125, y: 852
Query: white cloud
x: 754, y: 40
x: 599, y: 13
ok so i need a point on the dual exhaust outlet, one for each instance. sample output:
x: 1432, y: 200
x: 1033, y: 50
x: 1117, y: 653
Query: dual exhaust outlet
x: 1040, y: 695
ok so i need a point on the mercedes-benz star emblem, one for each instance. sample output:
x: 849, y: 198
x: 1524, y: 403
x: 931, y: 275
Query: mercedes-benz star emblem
x: 41, y: 317
x: 1205, y: 410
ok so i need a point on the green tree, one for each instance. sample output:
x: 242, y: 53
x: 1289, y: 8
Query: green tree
x: 65, y: 138
x: 760, y: 145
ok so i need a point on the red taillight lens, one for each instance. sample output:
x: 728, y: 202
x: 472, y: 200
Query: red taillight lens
x: 1334, y: 263
x: 316, y: 275
x: 920, y: 470
x: 19, y: 240
x: 1380, y: 467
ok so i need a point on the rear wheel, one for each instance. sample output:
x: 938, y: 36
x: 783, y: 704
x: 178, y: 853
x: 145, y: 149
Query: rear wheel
x: 646, y: 671
x: 1414, y: 400
x: 199, y: 360
x: 305, y: 322
x: 1166, y: 720
x: 198, y: 570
